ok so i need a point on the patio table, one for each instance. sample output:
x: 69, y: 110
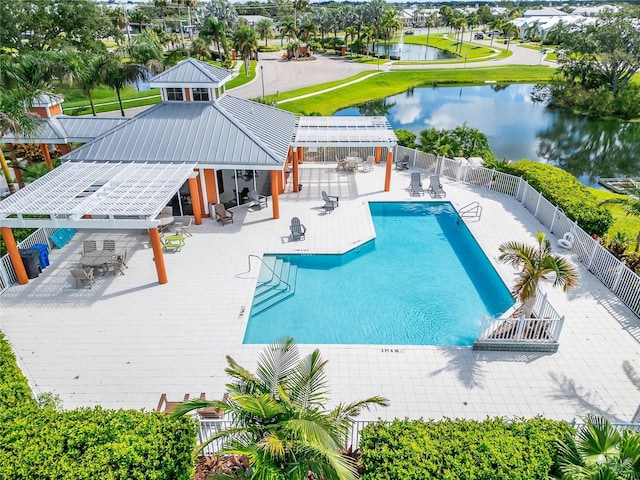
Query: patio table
x: 98, y: 258
x: 165, y: 221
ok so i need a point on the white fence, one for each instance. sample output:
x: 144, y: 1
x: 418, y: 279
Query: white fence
x: 541, y: 333
x: 613, y: 273
x: 7, y: 273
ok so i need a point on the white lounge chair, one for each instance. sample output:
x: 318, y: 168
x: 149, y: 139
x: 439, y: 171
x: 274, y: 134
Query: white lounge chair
x: 567, y: 241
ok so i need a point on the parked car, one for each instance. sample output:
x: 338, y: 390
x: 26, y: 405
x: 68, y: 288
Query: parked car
x: 478, y: 36
x: 409, y: 32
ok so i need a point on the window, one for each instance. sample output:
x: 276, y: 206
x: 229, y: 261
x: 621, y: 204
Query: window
x: 174, y: 95
x: 200, y: 94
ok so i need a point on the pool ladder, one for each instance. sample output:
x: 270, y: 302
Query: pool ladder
x: 473, y: 210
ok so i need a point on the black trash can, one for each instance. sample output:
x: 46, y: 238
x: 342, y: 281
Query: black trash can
x: 31, y: 260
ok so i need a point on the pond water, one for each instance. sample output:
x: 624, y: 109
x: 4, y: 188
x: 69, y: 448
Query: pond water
x: 518, y: 128
x: 414, y: 52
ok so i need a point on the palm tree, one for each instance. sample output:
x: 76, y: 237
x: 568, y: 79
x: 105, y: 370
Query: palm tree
x: 88, y: 72
x: 146, y: 48
x: 430, y: 22
x: 279, y: 420
x: 390, y: 24
x: 245, y: 42
x: 600, y: 452
x: 307, y: 28
x: 510, y: 30
x: 288, y: 29
x: 264, y: 28
x: 200, y: 48
x: 537, y: 263
x: 118, y: 75
x: 350, y: 32
x: 215, y: 30
x: 631, y: 205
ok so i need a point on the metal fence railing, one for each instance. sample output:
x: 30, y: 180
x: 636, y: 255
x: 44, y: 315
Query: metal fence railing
x: 613, y: 273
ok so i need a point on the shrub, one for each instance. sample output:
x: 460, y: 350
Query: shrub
x: 563, y: 189
x: 406, y: 138
x: 44, y: 443
x: 455, y: 449
x: 268, y: 48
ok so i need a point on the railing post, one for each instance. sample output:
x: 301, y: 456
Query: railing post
x: 537, y: 205
x: 553, y: 220
x: 593, y: 254
x: 518, y: 190
x: 519, y: 328
x: 493, y: 174
x: 616, y: 282
x: 415, y: 155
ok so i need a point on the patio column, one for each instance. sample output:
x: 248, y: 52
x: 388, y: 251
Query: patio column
x: 195, y: 200
x: 14, y: 255
x: 300, y: 155
x: 281, y: 181
x: 295, y: 180
x: 378, y: 154
x: 275, y: 188
x: 47, y: 157
x: 17, y: 172
x: 210, y: 184
x: 158, y: 258
x: 387, y: 176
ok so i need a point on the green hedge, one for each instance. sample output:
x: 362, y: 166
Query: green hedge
x: 563, y: 189
x: 88, y: 443
x: 494, y: 449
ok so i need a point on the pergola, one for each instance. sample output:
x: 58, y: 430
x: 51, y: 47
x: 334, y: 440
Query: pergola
x: 318, y: 132
x: 89, y: 195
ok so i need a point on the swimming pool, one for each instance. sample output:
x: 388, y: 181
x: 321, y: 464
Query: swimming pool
x: 423, y: 281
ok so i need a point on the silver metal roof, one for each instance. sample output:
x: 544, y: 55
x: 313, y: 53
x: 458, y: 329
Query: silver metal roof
x: 191, y: 72
x: 226, y: 133
x: 115, y: 195
x: 65, y: 129
x: 344, y: 131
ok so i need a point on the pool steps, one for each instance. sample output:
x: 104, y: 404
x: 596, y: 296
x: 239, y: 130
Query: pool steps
x: 270, y: 289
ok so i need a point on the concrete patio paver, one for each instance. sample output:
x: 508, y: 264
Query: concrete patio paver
x: 128, y: 340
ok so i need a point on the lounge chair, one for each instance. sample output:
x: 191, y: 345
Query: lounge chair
x: 258, y: 200
x: 567, y: 241
x: 297, y: 229
x: 435, y: 187
x: 212, y: 412
x: 83, y: 277
x: 415, y: 187
x: 403, y: 164
x: 222, y: 215
x: 166, y: 406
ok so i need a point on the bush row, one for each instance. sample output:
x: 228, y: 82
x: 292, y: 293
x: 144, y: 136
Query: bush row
x: 494, y: 449
x: 564, y: 190
x: 86, y: 443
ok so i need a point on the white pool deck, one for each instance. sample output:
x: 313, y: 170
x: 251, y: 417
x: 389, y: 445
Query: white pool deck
x: 129, y: 339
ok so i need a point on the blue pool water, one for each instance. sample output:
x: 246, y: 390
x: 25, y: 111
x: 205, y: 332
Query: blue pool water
x: 423, y: 281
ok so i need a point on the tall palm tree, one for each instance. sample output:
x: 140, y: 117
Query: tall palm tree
x: 279, y: 420
x: 390, y: 24
x: 245, y: 42
x: 288, y: 29
x: 307, y: 28
x: 350, y: 32
x: 118, y: 75
x: 215, y: 31
x: 537, y: 262
x: 87, y: 71
x: 631, y: 204
x: 600, y: 452
x: 430, y: 22
x: 264, y: 29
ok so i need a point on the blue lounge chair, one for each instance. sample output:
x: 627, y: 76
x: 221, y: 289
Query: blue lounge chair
x: 435, y: 187
x: 297, y: 229
x: 415, y: 187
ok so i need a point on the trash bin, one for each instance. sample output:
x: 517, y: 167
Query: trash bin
x: 31, y: 260
x: 44, y: 254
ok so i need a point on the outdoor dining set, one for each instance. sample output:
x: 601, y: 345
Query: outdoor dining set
x: 354, y: 163
x: 104, y: 260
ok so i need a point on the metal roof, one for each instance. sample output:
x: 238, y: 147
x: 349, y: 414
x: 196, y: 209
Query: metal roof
x: 114, y: 195
x: 226, y: 133
x: 344, y: 131
x: 65, y: 129
x: 191, y: 72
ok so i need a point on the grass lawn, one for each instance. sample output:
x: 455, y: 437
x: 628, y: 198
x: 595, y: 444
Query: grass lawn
x: 316, y: 88
x: 105, y: 99
x: 624, y: 223
x: 392, y: 83
x: 444, y: 42
x: 241, y: 79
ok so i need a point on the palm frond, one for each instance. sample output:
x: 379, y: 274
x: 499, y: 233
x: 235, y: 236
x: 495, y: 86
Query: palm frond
x: 246, y: 382
x: 195, y: 404
x: 348, y: 412
x: 312, y: 433
x: 566, y: 274
x: 516, y: 254
x: 308, y: 381
x: 597, y: 440
x: 276, y: 363
x: 263, y: 406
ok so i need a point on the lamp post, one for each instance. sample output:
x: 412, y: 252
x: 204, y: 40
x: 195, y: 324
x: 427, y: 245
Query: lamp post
x: 262, y: 78
x: 378, y: 55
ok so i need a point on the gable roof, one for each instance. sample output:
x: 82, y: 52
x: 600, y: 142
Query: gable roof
x: 229, y: 132
x: 65, y: 129
x: 191, y: 72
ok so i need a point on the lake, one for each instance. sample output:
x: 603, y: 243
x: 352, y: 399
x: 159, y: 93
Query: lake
x: 414, y: 52
x: 518, y: 127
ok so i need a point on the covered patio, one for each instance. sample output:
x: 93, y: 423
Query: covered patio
x: 87, y: 195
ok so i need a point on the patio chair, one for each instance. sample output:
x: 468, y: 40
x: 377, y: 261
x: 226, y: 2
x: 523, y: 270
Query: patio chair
x: 166, y: 406
x: 341, y: 164
x: 297, y: 229
x: 222, y: 215
x: 258, y: 200
x: 122, y: 261
x: 403, y: 164
x: 367, y: 165
x: 352, y: 165
x: 435, y: 187
x: 415, y: 187
x: 88, y: 246
x: 173, y: 242
x: 83, y: 277
x: 109, y: 245
x: 182, y: 228
x: 567, y: 241
x: 168, y: 210
x: 330, y: 199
